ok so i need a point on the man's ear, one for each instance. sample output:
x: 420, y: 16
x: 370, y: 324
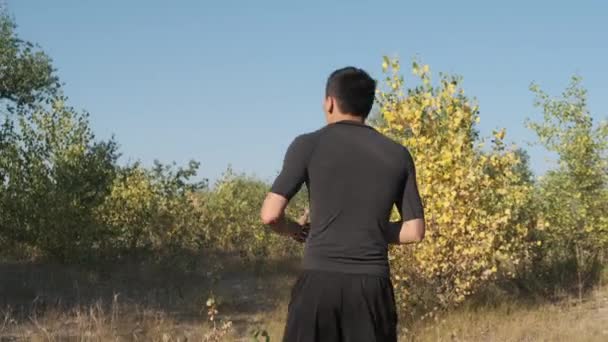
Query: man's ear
x: 331, y: 104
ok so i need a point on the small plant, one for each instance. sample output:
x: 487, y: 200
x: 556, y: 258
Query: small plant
x: 260, y: 335
x: 217, y: 332
x: 211, y: 309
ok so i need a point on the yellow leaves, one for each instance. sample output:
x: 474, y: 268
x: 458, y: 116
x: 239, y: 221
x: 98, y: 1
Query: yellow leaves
x: 388, y: 63
x: 415, y: 127
x: 395, y: 65
x: 389, y: 116
x: 500, y: 135
x: 470, y: 225
x: 58, y: 105
x: 423, y: 141
x: 451, y: 89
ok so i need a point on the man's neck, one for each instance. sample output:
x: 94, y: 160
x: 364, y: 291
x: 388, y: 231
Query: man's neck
x: 345, y: 117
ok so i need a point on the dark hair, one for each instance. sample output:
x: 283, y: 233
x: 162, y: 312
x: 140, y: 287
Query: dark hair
x: 353, y: 89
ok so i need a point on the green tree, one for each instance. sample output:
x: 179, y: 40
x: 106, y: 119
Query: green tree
x: 61, y: 190
x: 153, y: 210
x: 53, y: 172
x: 231, y: 219
x: 574, y: 196
x: 26, y: 73
x: 54, y: 175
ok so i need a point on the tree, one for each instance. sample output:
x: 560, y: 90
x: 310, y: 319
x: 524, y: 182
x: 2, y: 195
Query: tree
x: 54, y: 176
x: 152, y: 209
x: 53, y: 172
x: 474, y: 198
x: 574, y: 196
x: 26, y: 73
x: 231, y: 219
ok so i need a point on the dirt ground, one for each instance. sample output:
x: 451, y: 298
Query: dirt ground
x: 140, y: 301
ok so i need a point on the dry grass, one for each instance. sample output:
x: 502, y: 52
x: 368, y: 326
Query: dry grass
x: 94, y: 323
x: 568, y: 320
x: 138, y: 301
x: 564, y: 321
x: 40, y: 305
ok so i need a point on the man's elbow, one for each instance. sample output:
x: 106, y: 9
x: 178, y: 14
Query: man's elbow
x: 412, y: 231
x: 268, y: 218
x: 419, y: 235
x: 272, y: 209
x: 420, y: 230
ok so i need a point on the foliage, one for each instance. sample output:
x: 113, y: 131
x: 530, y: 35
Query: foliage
x: 152, y: 209
x: 61, y: 190
x: 230, y: 218
x: 474, y: 198
x: 54, y: 174
x: 574, y: 196
x: 26, y: 73
x: 46, y: 149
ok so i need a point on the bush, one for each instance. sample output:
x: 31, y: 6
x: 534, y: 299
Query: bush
x: 474, y: 199
x: 54, y: 174
x: 152, y: 210
x: 231, y: 220
x: 573, y: 198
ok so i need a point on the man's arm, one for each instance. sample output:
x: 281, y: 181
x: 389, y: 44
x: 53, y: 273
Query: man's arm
x: 412, y: 228
x: 293, y: 174
x: 410, y: 231
x: 273, y: 215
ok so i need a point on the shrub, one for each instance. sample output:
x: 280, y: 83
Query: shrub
x: 231, y: 220
x: 473, y: 197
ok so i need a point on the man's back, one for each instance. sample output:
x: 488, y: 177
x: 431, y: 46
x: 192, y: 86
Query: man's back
x: 354, y: 175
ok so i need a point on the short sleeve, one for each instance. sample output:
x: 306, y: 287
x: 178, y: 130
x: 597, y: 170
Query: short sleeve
x: 295, y: 168
x: 410, y: 203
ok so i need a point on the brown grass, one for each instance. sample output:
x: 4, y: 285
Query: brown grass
x: 147, y: 303
x: 94, y: 323
x: 567, y: 320
x: 564, y: 321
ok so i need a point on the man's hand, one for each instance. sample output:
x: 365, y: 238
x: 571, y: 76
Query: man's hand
x: 302, y: 228
x: 273, y: 215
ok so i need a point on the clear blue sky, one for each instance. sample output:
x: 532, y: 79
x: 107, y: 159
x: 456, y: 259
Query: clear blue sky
x: 227, y: 82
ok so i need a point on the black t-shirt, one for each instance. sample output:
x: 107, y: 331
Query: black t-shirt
x: 354, y: 176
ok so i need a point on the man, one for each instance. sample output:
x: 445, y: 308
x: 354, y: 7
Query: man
x: 354, y: 176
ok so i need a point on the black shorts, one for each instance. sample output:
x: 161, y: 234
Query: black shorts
x: 328, y: 306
